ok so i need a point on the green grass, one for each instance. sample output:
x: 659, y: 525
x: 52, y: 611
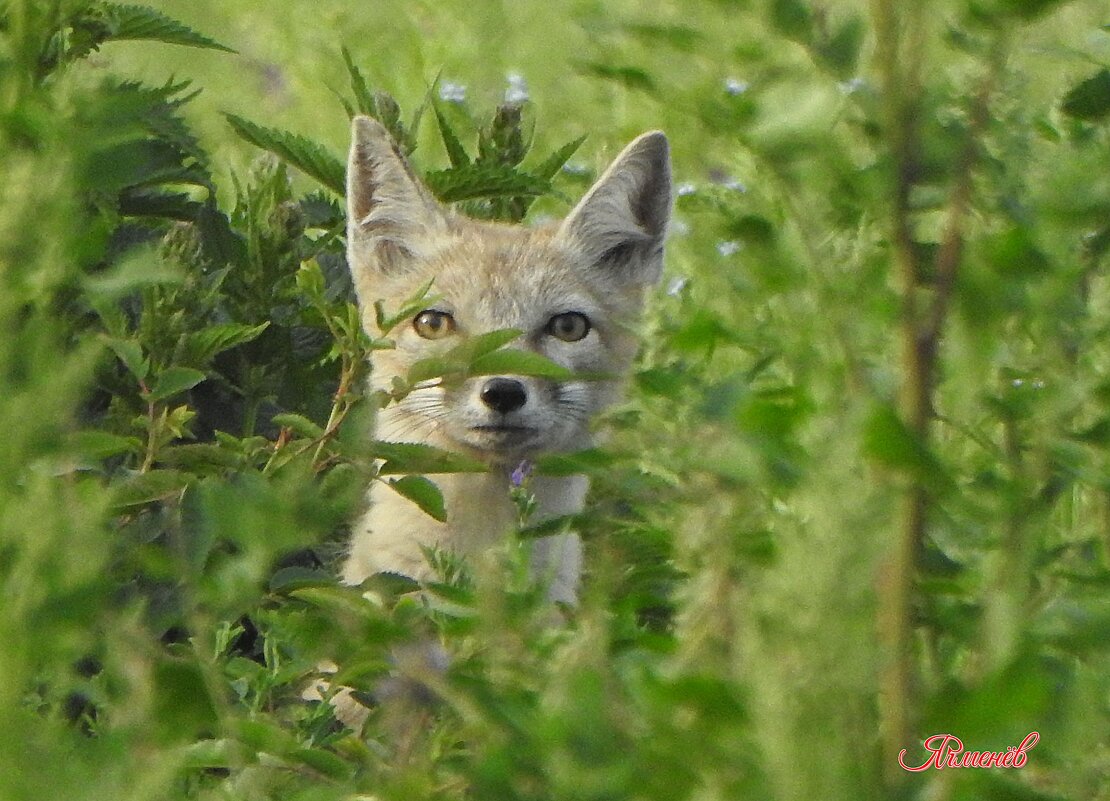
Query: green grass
x: 809, y: 545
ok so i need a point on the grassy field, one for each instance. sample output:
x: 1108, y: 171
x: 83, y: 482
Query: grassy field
x: 858, y: 494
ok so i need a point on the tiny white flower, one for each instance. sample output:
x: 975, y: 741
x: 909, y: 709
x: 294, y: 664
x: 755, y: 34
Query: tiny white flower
x: 451, y: 92
x: 734, y: 185
x: 1017, y: 382
x: 679, y: 227
x: 734, y: 86
x: 851, y: 86
x: 518, y: 88
x: 728, y: 247
x: 685, y: 188
x: 677, y: 284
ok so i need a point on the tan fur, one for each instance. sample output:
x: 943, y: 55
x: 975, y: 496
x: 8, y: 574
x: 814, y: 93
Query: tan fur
x: 598, y: 262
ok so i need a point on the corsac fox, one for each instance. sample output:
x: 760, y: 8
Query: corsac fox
x: 574, y: 288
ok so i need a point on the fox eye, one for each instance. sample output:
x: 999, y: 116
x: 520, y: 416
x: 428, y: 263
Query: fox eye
x: 569, y: 326
x: 432, y: 324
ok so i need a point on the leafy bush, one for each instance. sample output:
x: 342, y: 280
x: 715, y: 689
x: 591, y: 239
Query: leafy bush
x: 857, y: 496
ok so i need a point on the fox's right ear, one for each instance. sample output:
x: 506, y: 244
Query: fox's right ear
x: 389, y: 213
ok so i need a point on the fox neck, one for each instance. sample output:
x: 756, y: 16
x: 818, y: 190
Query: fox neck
x: 393, y: 534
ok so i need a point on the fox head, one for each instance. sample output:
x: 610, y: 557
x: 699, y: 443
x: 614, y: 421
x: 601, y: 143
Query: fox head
x: 573, y: 288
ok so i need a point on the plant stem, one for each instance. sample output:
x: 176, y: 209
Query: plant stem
x: 896, y: 581
x: 922, y: 325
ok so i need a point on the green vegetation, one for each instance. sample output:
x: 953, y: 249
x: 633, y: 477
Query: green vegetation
x: 859, y: 493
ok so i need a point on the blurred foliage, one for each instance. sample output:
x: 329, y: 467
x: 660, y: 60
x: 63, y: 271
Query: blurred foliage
x: 185, y: 441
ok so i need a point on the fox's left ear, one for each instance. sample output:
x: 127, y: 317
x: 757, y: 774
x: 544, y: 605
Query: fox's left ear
x: 622, y: 221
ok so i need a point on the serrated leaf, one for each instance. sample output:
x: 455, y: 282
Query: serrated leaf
x: 412, y: 457
x: 519, y: 362
x: 212, y: 340
x: 550, y: 166
x: 299, y: 424
x: 306, y: 155
x: 364, y: 100
x: 173, y: 381
x: 201, y: 457
x: 130, y: 353
x: 423, y: 493
x: 484, y: 181
x: 154, y: 485
x: 1089, y: 99
x: 140, y: 22
x: 320, y: 210
x: 456, y: 153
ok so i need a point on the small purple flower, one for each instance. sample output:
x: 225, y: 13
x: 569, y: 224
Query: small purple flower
x: 522, y: 471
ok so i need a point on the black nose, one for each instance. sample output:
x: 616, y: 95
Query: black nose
x: 503, y: 395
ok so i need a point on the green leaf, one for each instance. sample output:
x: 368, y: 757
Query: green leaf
x: 130, y: 352
x: 323, y: 762
x: 311, y: 158
x: 201, y: 458
x: 299, y: 424
x: 570, y: 464
x: 887, y: 440
x: 793, y: 19
x: 183, y: 707
x: 427, y: 369
x: 550, y: 166
x: 477, y: 346
x: 628, y: 76
x: 841, y: 50
x: 423, y: 493
x: 412, y: 457
x: 455, y: 151
x: 155, y: 485
x: 416, y: 302
x: 1027, y: 9
x: 364, y: 100
x: 140, y: 22
x: 519, y: 362
x: 484, y: 181
x: 175, y: 380
x: 1090, y: 99
x: 101, y: 444
x: 206, y: 344
x: 296, y: 577
x: 681, y: 37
